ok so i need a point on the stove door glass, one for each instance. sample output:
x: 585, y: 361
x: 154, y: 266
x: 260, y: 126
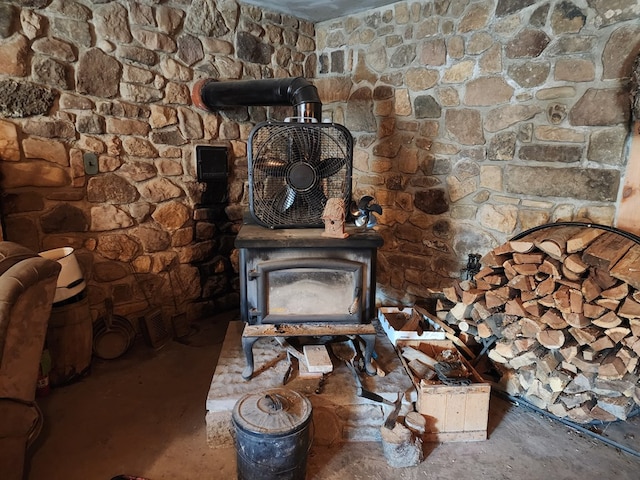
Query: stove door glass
x: 310, y: 289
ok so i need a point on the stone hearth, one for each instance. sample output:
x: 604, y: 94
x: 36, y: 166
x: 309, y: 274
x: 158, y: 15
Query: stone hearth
x: 338, y: 413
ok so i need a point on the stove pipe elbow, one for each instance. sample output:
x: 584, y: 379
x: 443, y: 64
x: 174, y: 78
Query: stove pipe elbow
x: 212, y: 95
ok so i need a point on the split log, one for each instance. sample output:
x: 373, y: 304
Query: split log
x: 535, y: 258
x: 577, y: 320
x: 593, y: 311
x: 554, y: 243
x: 564, y: 316
x: 551, y: 339
x: 608, y: 320
x: 551, y: 268
x: 630, y: 308
x: 583, y: 239
x: 546, y: 287
x: 606, y: 250
x: 616, y: 334
x: 575, y: 264
x: 521, y: 246
x: 554, y: 319
x: 497, y: 297
x: 628, y: 268
x: 617, y: 292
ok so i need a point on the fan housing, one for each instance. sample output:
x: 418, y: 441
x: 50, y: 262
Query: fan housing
x: 294, y: 168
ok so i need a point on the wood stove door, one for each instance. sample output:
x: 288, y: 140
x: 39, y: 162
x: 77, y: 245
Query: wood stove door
x: 308, y: 290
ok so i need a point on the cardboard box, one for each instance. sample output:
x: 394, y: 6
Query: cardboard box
x: 391, y: 320
x: 453, y: 413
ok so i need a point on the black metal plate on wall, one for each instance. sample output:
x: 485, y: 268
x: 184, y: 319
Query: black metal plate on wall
x: 212, y: 169
x: 211, y: 162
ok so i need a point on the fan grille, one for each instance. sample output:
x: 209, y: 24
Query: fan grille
x: 294, y: 168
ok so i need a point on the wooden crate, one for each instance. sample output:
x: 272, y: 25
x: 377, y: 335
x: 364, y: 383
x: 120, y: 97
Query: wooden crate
x: 453, y: 413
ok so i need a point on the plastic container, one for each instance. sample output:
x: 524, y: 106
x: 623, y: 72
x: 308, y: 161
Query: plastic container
x: 272, y: 435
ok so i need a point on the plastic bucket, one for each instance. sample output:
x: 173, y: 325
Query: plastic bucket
x: 70, y: 281
x: 272, y: 435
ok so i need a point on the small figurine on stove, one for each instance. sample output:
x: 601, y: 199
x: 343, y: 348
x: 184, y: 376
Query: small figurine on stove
x: 333, y: 217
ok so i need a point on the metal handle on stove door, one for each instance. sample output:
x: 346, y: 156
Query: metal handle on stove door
x: 355, y: 305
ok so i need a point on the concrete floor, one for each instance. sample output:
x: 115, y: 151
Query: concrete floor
x: 144, y: 414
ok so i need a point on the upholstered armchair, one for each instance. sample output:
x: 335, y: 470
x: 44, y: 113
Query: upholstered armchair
x: 27, y: 289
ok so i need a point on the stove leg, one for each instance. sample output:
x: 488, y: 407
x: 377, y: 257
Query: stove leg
x: 369, y: 344
x: 247, y: 348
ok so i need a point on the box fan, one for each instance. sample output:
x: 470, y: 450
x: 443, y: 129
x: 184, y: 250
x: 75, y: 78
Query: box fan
x: 294, y: 168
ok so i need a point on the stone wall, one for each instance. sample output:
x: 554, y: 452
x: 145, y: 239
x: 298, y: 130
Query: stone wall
x: 476, y: 120
x: 473, y: 120
x: 97, y: 138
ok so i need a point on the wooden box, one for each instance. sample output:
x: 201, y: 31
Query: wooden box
x: 453, y: 413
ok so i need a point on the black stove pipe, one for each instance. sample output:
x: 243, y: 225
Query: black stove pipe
x: 213, y: 95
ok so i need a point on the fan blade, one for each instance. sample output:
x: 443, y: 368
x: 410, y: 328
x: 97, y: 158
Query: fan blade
x: 316, y: 199
x: 305, y: 145
x: 275, y: 167
x: 354, y: 210
x: 364, y: 202
x: 374, y: 207
x: 330, y: 166
x: 362, y: 220
x: 372, y: 221
x: 284, y: 199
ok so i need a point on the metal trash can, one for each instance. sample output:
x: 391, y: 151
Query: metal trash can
x: 272, y: 435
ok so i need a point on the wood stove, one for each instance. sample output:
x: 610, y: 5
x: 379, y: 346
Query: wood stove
x: 293, y: 280
x: 297, y: 282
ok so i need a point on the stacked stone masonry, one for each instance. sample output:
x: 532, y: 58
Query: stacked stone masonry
x: 473, y: 120
x: 476, y: 120
x: 110, y: 82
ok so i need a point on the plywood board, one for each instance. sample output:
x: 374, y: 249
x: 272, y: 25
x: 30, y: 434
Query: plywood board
x: 628, y: 217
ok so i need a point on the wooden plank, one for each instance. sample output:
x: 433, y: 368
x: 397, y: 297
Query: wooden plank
x: 454, y: 416
x: 628, y: 217
x: 307, y: 329
x: 447, y: 437
x: 476, y: 410
x: 317, y: 358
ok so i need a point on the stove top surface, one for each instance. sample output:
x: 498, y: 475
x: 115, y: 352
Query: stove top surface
x: 252, y: 235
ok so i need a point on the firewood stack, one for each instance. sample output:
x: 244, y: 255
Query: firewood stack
x: 563, y: 306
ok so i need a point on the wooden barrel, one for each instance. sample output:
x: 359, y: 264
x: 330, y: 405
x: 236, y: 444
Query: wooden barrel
x: 69, y: 341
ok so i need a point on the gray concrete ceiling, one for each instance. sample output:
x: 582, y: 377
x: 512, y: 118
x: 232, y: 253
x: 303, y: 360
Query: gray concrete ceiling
x: 319, y: 10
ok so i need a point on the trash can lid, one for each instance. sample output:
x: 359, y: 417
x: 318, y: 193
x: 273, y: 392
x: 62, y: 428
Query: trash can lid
x: 275, y: 411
